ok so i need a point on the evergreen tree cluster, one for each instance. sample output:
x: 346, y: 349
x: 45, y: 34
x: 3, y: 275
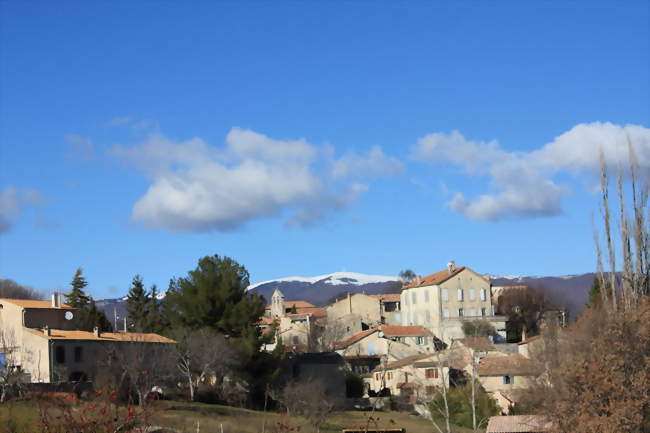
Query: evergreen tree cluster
x: 88, y: 316
x: 144, y: 309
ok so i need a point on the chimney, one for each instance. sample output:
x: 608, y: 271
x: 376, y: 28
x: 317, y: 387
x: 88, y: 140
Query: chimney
x: 349, y: 304
x: 56, y: 302
x: 46, y: 331
x: 96, y: 332
x: 451, y: 266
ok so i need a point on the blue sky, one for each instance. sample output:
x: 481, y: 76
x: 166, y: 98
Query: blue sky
x: 302, y: 138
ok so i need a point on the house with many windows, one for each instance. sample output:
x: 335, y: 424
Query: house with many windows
x: 442, y: 301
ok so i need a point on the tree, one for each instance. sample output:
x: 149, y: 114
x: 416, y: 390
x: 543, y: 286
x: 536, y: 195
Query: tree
x: 524, y: 307
x: 203, y: 355
x: 459, y: 403
x: 156, y: 321
x: 12, y: 290
x: 138, y: 304
x: 77, y: 297
x: 214, y: 296
x: 88, y: 316
x: 478, y: 328
x: 309, y: 399
x: 407, y: 276
x: 11, y: 378
x: 596, y: 293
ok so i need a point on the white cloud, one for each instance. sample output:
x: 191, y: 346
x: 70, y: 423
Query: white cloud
x: 197, y: 187
x: 376, y: 163
x: 13, y: 201
x: 524, y: 181
x: 120, y: 120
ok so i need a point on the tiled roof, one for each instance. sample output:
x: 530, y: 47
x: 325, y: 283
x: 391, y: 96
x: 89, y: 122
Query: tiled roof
x: 516, y: 364
x: 60, y: 334
x: 518, y: 424
x: 314, y: 311
x: 387, y: 297
x: 298, y: 304
x: 477, y: 343
x: 404, y: 331
x: 265, y: 320
x: 355, y: 337
x: 31, y: 303
x: 436, y: 278
x: 403, y: 362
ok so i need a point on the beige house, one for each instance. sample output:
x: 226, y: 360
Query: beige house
x: 359, y: 310
x: 507, y: 373
x: 444, y: 300
x: 393, y: 342
x: 41, y: 339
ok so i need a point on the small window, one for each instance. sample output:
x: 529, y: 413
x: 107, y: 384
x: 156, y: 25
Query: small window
x: 483, y: 295
x: 472, y: 294
x: 421, y: 340
x: 427, y: 316
x: 430, y: 390
x: 78, y: 354
x: 295, y: 339
x: 460, y: 312
x: 445, y: 294
x: 483, y: 312
x: 377, y: 376
x: 507, y: 380
x: 459, y: 292
x: 59, y: 354
x: 431, y: 373
x: 445, y: 313
x: 389, y: 375
x: 414, y: 299
x: 426, y: 296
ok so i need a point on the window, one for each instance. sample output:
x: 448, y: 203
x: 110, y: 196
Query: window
x: 460, y: 312
x: 78, y: 354
x: 431, y: 373
x: 377, y: 376
x: 430, y: 390
x: 459, y: 293
x: 59, y: 354
x: 406, y: 299
x: 445, y: 313
x: 472, y: 294
x: 507, y: 380
x: 445, y: 294
x: 420, y: 340
x: 389, y: 375
x: 426, y: 296
x: 413, y: 298
x: 427, y: 316
x: 295, y: 339
x: 482, y: 311
x: 483, y: 294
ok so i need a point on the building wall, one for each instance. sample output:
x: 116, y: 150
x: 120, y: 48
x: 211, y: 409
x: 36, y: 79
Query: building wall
x: 366, y: 307
x: 495, y: 383
x: 54, y: 318
x: 35, y: 356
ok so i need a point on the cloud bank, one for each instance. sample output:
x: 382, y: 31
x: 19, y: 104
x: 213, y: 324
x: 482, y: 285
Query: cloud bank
x: 197, y: 187
x: 524, y: 181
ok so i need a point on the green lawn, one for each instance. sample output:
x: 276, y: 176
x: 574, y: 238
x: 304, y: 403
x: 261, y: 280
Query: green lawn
x: 22, y: 417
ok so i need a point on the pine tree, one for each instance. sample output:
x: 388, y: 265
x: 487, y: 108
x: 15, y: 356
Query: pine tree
x: 137, y: 304
x: 155, y: 319
x: 595, y: 293
x: 77, y: 297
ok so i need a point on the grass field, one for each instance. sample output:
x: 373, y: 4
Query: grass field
x: 22, y: 417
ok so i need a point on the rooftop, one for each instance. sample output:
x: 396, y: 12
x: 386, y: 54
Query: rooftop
x: 433, y: 279
x: 508, y: 365
x: 403, y: 362
x: 60, y: 334
x: 477, y: 343
x: 32, y: 303
x: 387, y: 297
x: 404, y: 331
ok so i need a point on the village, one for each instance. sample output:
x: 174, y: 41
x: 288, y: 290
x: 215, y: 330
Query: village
x: 406, y: 350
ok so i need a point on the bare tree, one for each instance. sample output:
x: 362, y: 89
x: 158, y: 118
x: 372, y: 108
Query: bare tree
x: 11, y: 377
x: 203, y: 355
x: 309, y: 399
x: 325, y: 336
x: 13, y: 290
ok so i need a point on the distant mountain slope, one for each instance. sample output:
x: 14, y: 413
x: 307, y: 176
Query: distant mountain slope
x: 320, y: 289
x: 570, y: 290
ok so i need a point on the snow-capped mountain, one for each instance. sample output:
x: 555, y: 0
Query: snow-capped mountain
x: 321, y: 288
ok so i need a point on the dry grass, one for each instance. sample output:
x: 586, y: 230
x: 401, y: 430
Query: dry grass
x: 22, y: 417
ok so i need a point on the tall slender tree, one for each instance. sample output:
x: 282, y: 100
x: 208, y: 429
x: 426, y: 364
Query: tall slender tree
x: 88, y: 315
x: 137, y: 305
x: 77, y: 297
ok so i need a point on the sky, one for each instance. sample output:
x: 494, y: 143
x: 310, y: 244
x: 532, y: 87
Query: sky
x: 302, y: 138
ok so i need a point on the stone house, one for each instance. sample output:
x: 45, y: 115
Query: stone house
x: 47, y: 346
x: 504, y: 373
x: 392, y: 341
x: 444, y: 300
x: 359, y: 311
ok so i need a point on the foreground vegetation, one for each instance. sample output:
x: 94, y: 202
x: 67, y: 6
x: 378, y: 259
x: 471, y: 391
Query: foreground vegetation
x: 23, y: 417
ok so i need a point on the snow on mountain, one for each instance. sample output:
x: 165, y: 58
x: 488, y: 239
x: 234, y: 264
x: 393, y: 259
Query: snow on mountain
x: 334, y: 279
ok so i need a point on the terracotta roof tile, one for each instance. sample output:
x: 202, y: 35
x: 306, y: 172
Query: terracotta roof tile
x: 436, y: 278
x: 403, y: 362
x: 60, y: 334
x: 516, y: 364
x: 387, y: 297
x: 518, y: 424
x: 31, y: 303
x: 404, y: 331
x: 355, y: 337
